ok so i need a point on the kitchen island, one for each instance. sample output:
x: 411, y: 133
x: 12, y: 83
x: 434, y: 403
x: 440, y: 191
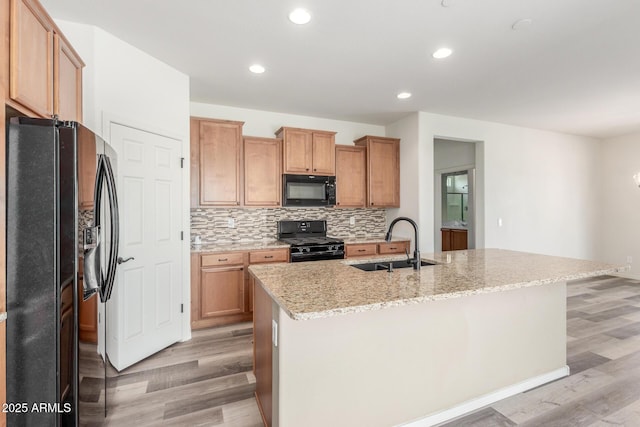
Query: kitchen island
x: 335, y: 345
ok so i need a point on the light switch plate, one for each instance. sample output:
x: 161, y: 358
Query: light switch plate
x: 231, y: 223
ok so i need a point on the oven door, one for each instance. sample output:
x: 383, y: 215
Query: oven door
x: 308, y: 190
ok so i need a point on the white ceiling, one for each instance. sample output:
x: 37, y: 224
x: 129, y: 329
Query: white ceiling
x: 576, y: 69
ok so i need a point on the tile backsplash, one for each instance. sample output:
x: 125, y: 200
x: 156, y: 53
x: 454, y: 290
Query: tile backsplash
x: 251, y: 224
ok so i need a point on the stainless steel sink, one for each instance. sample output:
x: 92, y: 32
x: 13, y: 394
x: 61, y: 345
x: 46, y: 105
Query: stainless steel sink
x: 384, y: 265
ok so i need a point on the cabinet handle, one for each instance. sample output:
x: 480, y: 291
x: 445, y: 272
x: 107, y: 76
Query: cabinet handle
x: 314, y: 169
x: 393, y: 248
x: 268, y: 256
x: 337, y: 203
x: 362, y: 250
x: 238, y: 203
x: 223, y: 259
x: 371, y: 203
x: 307, y: 168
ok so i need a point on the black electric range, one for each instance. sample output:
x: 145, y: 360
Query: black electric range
x: 309, y: 240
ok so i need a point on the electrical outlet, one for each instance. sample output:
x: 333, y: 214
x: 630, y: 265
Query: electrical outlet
x: 629, y: 259
x: 352, y: 220
x: 499, y: 222
x: 231, y: 223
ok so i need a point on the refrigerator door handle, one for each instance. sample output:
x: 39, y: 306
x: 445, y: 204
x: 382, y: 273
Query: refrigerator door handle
x: 115, y: 228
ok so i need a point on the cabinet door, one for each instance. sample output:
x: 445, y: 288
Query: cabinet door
x: 298, y: 151
x: 262, y: 171
x: 384, y: 173
x: 220, y: 152
x: 31, y: 63
x: 222, y: 291
x: 446, y: 239
x: 351, y: 176
x: 67, y: 74
x: 324, y: 160
x: 458, y: 240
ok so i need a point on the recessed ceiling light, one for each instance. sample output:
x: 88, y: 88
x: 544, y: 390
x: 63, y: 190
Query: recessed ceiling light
x: 300, y: 17
x: 257, y: 69
x: 443, y: 52
x: 404, y: 95
x: 521, y: 24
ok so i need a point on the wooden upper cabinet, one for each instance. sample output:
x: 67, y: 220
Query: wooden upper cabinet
x: 45, y: 73
x: 324, y: 155
x: 307, y: 152
x: 351, y: 176
x: 262, y: 171
x: 67, y: 75
x: 383, y: 170
x: 219, y: 147
x: 31, y: 57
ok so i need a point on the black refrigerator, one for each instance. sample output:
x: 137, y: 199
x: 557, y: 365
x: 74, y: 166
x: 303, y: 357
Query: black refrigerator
x: 43, y: 246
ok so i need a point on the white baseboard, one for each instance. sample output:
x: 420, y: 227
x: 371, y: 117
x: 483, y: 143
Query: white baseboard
x: 488, y: 399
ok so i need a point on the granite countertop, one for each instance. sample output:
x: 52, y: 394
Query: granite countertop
x: 238, y: 246
x: 311, y: 290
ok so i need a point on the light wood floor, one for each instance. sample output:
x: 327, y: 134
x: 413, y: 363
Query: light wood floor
x: 208, y: 380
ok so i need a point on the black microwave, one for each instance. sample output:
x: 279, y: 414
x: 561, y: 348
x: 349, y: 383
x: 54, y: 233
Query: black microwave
x: 308, y: 190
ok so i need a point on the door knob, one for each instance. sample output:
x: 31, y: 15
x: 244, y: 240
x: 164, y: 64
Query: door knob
x: 122, y: 261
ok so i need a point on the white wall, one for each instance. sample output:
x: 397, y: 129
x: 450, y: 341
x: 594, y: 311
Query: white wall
x: 411, y: 182
x: 449, y: 155
x: 544, y: 185
x: 621, y: 201
x: 266, y: 123
x: 126, y: 85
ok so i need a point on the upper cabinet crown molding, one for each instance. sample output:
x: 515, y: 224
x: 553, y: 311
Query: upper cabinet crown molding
x: 307, y: 151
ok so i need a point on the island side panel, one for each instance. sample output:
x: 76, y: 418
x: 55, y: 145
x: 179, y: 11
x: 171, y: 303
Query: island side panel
x: 262, y: 351
x: 395, y: 365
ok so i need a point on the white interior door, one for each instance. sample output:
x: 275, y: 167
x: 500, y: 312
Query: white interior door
x: 144, y: 313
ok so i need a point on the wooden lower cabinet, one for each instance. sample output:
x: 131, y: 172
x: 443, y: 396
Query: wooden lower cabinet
x: 393, y: 248
x: 263, y: 353
x: 355, y: 250
x: 454, y: 239
x: 221, y: 289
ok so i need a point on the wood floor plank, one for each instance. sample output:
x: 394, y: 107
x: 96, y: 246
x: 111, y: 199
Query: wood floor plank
x: 484, y: 417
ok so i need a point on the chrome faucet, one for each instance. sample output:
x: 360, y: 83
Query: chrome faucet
x: 416, y: 253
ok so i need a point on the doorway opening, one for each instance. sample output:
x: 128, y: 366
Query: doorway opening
x: 457, y: 195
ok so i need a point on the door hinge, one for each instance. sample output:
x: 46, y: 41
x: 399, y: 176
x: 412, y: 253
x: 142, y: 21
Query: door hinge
x: 181, y: 308
x: 182, y: 162
x: 182, y: 235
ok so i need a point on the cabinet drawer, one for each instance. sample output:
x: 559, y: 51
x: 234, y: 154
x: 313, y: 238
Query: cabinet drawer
x: 230, y: 258
x: 270, y: 255
x: 392, y: 248
x: 66, y: 298
x: 361, y: 250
